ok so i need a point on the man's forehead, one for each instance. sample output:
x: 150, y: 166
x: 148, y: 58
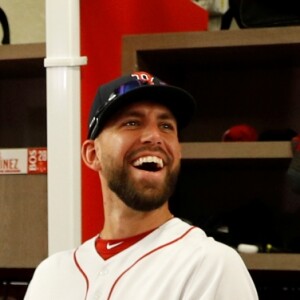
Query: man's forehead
x: 143, y: 107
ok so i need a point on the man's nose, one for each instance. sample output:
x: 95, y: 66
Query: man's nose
x: 151, y: 135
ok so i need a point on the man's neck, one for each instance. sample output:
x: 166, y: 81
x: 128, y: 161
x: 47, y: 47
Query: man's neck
x: 125, y: 222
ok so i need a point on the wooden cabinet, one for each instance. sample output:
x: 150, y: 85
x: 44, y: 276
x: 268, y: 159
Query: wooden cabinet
x: 23, y: 198
x: 237, y: 191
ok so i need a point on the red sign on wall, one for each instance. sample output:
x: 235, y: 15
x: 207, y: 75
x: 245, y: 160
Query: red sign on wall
x: 23, y: 161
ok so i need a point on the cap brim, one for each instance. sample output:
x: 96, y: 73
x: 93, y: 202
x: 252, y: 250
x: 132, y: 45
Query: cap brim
x: 180, y: 102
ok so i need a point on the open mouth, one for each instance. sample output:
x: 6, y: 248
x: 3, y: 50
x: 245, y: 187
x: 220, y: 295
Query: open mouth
x: 149, y: 163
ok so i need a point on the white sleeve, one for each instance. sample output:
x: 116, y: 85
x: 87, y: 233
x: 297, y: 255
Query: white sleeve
x: 33, y: 285
x: 56, y: 277
x: 226, y: 277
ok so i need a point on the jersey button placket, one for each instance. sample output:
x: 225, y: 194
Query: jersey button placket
x: 100, y: 283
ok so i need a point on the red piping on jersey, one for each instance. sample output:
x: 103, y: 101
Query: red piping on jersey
x: 83, y: 274
x: 142, y: 257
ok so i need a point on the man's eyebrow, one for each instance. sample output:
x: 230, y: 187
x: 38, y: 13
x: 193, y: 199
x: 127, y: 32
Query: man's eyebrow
x: 160, y: 116
x: 132, y: 113
x: 167, y: 116
x: 139, y: 114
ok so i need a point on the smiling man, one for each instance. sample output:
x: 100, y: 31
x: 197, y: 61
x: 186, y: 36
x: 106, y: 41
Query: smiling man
x: 140, y: 160
x: 143, y: 252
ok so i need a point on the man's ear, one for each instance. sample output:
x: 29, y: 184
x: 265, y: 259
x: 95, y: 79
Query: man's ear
x: 89, y: 155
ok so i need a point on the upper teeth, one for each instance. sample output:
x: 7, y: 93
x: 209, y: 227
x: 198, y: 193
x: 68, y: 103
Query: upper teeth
x: 149, y: 159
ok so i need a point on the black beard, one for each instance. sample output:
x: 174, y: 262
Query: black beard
x: 149, y: 198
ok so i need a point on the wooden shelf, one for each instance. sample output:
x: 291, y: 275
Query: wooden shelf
x: 23, y: 60
x: 274, y: 261
x: 236, y: 150
x: 22, y: 51
x: 236, y: 45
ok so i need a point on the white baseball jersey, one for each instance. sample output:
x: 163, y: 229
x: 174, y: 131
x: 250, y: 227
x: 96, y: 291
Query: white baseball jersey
x: 176, y: 261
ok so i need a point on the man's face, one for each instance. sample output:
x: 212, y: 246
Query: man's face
x: 140, y: 155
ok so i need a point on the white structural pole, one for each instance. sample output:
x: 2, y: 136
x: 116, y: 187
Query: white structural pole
x: 63, y: 63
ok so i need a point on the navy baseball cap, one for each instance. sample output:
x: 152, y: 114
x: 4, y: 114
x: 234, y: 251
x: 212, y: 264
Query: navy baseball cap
x: 135, y: 87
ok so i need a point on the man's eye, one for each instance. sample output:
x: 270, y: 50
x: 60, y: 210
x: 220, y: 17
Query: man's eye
x: 131, y: 123
x: 167, y: 126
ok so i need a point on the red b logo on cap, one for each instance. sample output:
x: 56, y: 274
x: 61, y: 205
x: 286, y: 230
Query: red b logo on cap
x: 143, y: 76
